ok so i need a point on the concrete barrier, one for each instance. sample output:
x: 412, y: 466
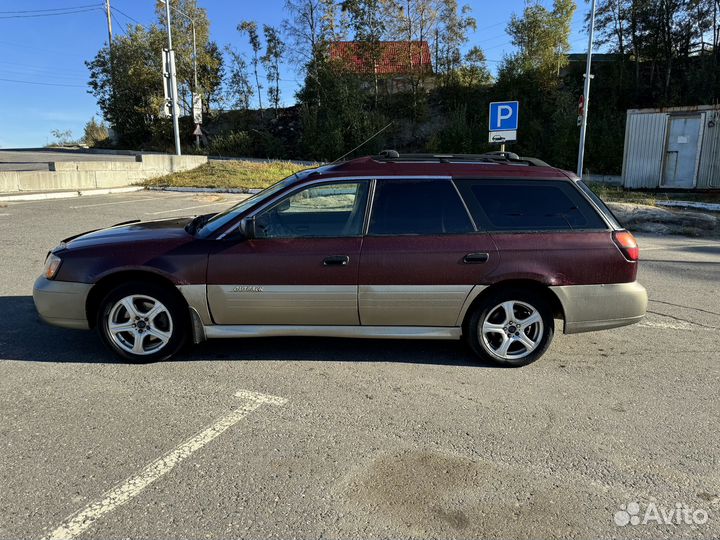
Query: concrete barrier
x: 76, y: 175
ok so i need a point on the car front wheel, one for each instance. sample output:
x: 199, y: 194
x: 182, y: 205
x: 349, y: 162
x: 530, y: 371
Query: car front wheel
x: 142, y: 322
x: 511, y: 328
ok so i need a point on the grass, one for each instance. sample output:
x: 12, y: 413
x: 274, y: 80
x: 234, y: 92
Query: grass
x: 651, y: 197
x: 229, y: 174
x: 618, y: 194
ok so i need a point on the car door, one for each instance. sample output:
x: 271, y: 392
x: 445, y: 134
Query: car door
x: 302, y: 266
x: 422, y: 255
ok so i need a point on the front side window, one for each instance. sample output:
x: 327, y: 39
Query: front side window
x: 427, y: 207
x: 534, y: 205
x: 323, y: 210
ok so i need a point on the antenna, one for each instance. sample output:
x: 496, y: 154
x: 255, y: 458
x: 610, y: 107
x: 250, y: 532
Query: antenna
x: 363, y: 143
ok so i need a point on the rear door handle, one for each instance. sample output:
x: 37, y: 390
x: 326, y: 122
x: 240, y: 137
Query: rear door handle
x: 336, y: 260
x: 476, y: 258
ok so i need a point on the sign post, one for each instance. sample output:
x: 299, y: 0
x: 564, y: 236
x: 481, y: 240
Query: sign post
x: 197, y: 116
x: 503, y: 122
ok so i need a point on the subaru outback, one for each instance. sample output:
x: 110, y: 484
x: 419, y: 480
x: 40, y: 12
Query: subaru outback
x: 491, y: 248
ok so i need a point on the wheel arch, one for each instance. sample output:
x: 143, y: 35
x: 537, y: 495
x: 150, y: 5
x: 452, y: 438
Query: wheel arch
x: 108, y: 282
x: 515, y: 284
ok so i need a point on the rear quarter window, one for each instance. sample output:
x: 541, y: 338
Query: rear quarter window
x: 535, y: 205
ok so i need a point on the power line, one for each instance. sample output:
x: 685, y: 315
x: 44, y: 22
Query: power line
x: 27, y: 67
x: 86, y: 10
x: 126, y: 15
x: 117, y: 24
x: 46, y: 10
x: 43, y: 83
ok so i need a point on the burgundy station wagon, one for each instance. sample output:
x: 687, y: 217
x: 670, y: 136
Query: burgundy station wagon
x: 488, y: 247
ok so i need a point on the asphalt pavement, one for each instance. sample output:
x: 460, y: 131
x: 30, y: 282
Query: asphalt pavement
x: 363, y: 438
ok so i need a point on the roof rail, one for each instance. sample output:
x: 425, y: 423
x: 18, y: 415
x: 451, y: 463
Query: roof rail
x: 510, y: 158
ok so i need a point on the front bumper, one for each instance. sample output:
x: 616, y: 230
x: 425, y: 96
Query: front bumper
x: 600, y: 307
x: 61, y: 303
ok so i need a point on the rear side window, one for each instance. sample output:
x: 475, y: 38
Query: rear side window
x: 517, y: 205
x: 612, y: 218
x: 418, y: 207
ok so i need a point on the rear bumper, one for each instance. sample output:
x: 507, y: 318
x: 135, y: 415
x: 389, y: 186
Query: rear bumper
x: 61, y: 303
x: 599, y: 307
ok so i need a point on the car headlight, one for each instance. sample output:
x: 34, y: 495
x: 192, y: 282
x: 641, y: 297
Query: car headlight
x: 52, y: 265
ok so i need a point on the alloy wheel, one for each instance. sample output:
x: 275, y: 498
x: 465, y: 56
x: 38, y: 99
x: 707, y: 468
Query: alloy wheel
x: 511, y: 330
x: 139, y: 324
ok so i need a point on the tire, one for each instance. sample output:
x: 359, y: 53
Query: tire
x: 158, y: 319
x: 501, y: 342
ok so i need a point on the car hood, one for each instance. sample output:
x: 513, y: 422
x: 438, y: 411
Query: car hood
x: 131, y: 232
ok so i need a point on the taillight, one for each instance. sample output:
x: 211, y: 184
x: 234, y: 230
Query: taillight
x: 627, y: 244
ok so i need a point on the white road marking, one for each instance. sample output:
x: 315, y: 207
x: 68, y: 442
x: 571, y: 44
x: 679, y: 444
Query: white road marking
x: 188, y: 208
x: 114, y: 202
x: 83, y: 519
x: 666, y: 325
x: 675, y: 246
x: 4, y: 215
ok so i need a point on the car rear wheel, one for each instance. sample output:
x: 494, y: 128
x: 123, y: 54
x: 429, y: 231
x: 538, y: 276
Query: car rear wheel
x: 511, y: 328
x: 142, y: 322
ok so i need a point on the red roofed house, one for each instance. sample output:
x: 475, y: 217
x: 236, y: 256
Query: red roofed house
x: 398, y: 63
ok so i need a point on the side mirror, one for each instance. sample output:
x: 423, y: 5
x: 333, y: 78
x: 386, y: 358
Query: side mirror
x: 247, y: 227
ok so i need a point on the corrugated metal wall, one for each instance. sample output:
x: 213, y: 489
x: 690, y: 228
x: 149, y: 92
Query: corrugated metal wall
x: 709, y: 168
x: 644, y: 149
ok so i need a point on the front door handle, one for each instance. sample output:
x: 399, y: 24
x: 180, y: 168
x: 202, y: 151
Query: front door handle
x: 336, y: 260
x: 476, y: 258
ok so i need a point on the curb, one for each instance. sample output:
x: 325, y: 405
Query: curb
x: 708, y: 207
x: 47, y: 195
x: 246, y: 191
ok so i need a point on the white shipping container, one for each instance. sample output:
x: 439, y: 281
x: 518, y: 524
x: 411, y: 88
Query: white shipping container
x: 673, y: 148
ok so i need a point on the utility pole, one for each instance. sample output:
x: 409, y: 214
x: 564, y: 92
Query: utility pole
x: 109, y: 21
x: 110, y: 46
x: 173, y: 84
x: 586, y: 93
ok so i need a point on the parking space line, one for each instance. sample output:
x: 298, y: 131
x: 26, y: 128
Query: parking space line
x: 188, y: 208
x: 82, y: 520
x: 114, y: 202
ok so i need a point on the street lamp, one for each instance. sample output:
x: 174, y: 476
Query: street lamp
x: 195, y: 75
x: 586, y: 94
x: 173, y: 85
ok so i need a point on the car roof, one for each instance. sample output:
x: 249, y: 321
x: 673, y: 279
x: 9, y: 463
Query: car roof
x: 440, y: 166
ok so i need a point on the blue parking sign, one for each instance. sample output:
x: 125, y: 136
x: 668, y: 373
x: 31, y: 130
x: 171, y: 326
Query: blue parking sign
x: 504, y: 115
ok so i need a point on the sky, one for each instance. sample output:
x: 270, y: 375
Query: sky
x: 43, y: 78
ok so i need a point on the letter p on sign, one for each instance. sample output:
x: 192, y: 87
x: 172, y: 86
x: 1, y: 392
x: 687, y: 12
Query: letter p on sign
x: 504, y: 116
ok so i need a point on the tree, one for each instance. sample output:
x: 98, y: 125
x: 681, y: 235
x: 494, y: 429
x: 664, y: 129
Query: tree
x: 209, y: 62
x: 310, y: 27
x: 132, y: 102
x: 95, y: 133
x: 368, y: 19
x: 453, y: 25
x: 542, y: 37
x: 62, y: 137
x: 250, y: 28
x: 238, y: 84
x: 274, y: 50
x: 211, y: 74
x: 413, y: 25
x: 474, y: 71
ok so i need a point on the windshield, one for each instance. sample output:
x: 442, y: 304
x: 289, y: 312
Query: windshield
x: 221, y: 219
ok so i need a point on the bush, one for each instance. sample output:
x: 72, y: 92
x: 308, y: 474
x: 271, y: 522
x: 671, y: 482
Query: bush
x: 96, y: 133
